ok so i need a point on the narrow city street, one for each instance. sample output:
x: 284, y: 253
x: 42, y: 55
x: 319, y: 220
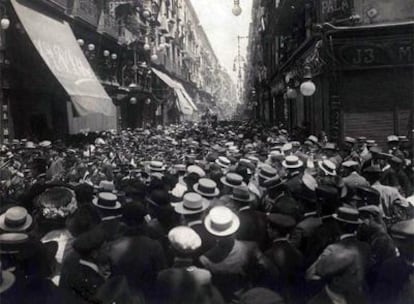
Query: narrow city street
x: 206, y: 151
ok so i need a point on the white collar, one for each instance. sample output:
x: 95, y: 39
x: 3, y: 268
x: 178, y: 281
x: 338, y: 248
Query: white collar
x: 108, y: 218
x: 193, y: 223
x: 91, y: 265
x: 336, y: 298
x: 346, y: 236
x: 244, y: 208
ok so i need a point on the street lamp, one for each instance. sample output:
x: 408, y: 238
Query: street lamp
x: 5, y: 23
x: 236, y: 8
x: 307, y: 88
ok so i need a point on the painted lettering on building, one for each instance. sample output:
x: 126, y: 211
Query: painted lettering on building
x: 335, y: 9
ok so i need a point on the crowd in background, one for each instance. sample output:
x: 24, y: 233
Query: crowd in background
x: 194, y: 213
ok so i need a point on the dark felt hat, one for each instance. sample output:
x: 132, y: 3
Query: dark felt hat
x: 89, y: 241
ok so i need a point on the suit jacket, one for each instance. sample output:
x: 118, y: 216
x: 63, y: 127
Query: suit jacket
x: 81, y: 280
x: 234, y: 273
x: 186, y: 284
x: 286, y: 268
x: 139, y: 259
x: 252, y: 226
x: 207, y: 239
x: 395, y: 282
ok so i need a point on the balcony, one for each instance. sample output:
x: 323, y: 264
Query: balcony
x: 60, y: 5
x: 85, y: 10
x: 109, y: 26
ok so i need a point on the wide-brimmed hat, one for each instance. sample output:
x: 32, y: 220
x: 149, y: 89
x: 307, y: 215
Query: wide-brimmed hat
x: 221, y: 221
x: 13, y: 242
x: 192, y: 203
x: 15, y: 219
x: 328, y: 167
x: 267, y: 172
x: 7, y: 279
x: 330, y: 146
x: 206, y: 187
x: 45, y: 144
x: 106, y: 186
x: 393, y: 138
x: 403, y: 230
x: 57, y: 202
x: 184, y: 239
x: 347, y: 215
x: 197, y: 170
x: 223, y: 162
x: 242, y: 194
x: 157, y: 166
x: 232, y: 180
x: 273, y: 182
x: 106, y: 200
x: 292, y: 162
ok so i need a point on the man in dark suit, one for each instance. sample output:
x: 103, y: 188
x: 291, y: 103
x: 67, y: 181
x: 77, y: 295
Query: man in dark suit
x: 135, y: 255
x: 286, y: 261
x: 185, y: 283
x: 395, y: 281
x: 85, y: 271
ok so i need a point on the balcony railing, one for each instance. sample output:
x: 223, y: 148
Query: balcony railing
x: 61, y: 5
x: 110, y: 26
x: 86, y: 10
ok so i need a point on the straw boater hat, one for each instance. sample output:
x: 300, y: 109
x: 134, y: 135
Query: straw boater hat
x: 157, y: 166
x: 292, y: 162
x: 267, y: 172
x: 242, y: 194
x: 393, y: 138
x: 192, y: 203
x: 221, y: 221
x: 7, y: 279
x: 13, y: 242
x: 223, y: 162
x: 184, y: 239
x: 106, y: 200
x: 206, y: 187
x: 328, y: 167
x: 15, y: 219
x: 197, y: 170
x: 232, y: 180
x: 347, y: 215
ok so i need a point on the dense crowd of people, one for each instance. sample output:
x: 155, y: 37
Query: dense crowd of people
x: 194, y: 213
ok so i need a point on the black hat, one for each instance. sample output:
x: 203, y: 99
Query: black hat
x: 403, y: 230
x: 279, y: 220
x: 134, y: 212
x: 89, y: 241
x: 368, y: 195
x: 347, y: 215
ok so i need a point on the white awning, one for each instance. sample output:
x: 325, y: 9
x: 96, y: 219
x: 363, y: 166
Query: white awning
x: 184, y: 101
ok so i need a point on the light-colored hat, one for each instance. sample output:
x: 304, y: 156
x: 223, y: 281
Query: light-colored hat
x: 221, y: 221
x: 192, y: 203
x: 206, y: 187
x: 292, y: 162
x: 328, y: 167
x: 313, y: 139
x: 45, y: 143
x: 99, y: 141
x: 106, y: 200
x: 106, y: 186
x: 267, y: 172
x: 393, y: 138
x: 30, y: 145
x: 223, y: 162
x: 184, y: 239
x: 242, y: 194
x: 157, y: 166
x: 15, y: 219
x: 7, y: 279
x: 350, y: 164
x: 232, y: 180
x: 197, y: 170
x: 287, y: 147
x: 347, y: 215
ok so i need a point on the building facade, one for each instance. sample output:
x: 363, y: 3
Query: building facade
x: 69, y: 66
x: 359, y: 54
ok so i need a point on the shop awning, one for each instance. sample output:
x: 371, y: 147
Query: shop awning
x: 57, y: 45
x: 184, y: 101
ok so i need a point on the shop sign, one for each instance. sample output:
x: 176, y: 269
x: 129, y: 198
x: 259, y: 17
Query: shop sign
x: 86, y: 10
x: 374, y: 54
x: 330, y: 10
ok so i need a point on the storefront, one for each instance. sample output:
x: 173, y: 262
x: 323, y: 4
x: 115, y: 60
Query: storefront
x: 53, y: 89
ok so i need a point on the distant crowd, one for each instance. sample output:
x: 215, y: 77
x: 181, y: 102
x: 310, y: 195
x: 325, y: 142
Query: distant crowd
x: 197, y: 213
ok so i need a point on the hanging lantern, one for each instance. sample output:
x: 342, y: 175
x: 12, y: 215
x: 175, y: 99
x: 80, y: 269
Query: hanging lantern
x: 307, y: 88
x: 106, y: 53
x: 236, y: 8
x: 91, y: 47
x: 5, y: 23
x: 81, y: 42
x: 291, y: 93
x: 132, y: 100
x: 147, y: 47
x: 114, y: 56
x: 148, y: 101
